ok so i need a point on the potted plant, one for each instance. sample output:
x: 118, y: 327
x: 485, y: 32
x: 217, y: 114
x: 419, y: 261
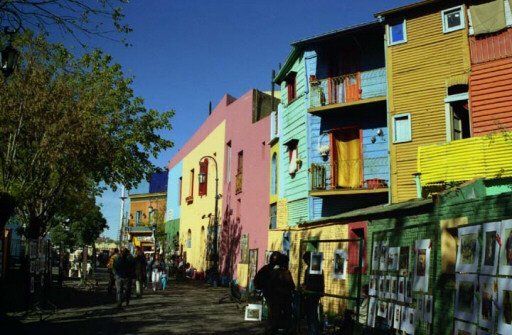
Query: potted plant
x: 324, y: 150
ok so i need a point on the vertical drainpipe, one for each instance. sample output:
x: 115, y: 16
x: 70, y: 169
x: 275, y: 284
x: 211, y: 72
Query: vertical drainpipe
x: 417, y: 180
x: 306, y: 163
x: 387, y: 109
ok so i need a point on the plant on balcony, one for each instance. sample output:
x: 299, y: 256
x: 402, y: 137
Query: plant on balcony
x: 324, y: 150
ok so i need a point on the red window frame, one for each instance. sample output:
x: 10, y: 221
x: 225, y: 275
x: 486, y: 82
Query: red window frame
x: 353, y: 247
x: 291, y: 84
x: 203, y: 168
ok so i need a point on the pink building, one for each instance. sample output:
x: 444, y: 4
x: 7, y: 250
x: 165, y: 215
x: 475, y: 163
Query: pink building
x: 245, y: 217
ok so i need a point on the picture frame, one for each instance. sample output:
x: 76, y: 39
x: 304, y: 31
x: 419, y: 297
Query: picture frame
x: 376, y: 256
x: 505, y: 259
x: 383, y: 257
x: 391, y: 314
x: 422, y: 265
x: 465, y: 302
x: 253, y: 312
x: 393, y: 258
x: 401, y: 289
x: 339, y: 270
x: 505, y: 301
x: 372, y: 285
x: 316, y: 263
x: 428, y: 308
x: 468, y: 249
x: 489, y: 261
x: 382, y: 308
x: 397, y: 317
x: 486, y: 310
x: 372, y: 310
x: 403, y: 261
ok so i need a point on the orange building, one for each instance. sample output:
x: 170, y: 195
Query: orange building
x: 147, y: 212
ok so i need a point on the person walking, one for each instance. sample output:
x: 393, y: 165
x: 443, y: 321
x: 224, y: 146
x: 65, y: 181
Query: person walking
x: 280, y: 290
x: 157, y: 266
x: 111, y: 278
x: 140, y: 271
x: 124, y: 272
x: 261, y: 282
x: 312, y: 290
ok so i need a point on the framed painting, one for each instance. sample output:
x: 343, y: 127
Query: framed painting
x: 253, y: 312
x: 465, y: 301
x: 422, y: 265
x: 340, y: 264
x: 316, y: 263
x: 468, y: 249
x: 489, y: 262
x: 505, y: 260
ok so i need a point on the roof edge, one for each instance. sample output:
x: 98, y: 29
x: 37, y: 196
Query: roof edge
x: 405, y: 8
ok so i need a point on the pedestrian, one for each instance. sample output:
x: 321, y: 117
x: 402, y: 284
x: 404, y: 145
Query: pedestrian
x: 312, y: 290
x: 140, y: 271
x: 261, y: 281
x: 111, y: 278
x: 124, y: 269
x: 280, y: 291
x: 149, y: 263
x: 157, y: 266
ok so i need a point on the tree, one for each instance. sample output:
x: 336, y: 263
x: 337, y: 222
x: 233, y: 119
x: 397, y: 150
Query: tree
x: 68, y: 124
x: 78, y: 18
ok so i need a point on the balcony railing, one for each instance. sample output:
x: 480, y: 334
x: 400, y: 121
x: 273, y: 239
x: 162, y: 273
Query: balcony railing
x: 346, y: 174
x: 486, y: 157
x: 238, y: 186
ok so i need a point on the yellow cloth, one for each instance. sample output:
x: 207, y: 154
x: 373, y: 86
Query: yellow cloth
x: 488, y: 17
x: 348, y: 158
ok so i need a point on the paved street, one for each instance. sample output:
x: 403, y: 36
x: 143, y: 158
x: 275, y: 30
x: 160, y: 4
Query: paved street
x: 184, y: 308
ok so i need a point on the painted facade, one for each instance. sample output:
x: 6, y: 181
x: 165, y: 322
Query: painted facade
x: 427, y: 67
x: 147, y: 212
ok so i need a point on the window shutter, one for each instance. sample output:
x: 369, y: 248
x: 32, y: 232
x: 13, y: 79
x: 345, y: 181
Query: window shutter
x: 203, y: 169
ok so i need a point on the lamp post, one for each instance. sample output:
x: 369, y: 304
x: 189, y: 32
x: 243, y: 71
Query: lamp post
x: 215, y: 254
x: 9, y: 56
x: 153, y: 226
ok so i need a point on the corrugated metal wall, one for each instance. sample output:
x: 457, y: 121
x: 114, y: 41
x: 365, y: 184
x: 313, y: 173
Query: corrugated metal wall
x: 417, y: 71
x: 491, y: 46
x: 491, y: 96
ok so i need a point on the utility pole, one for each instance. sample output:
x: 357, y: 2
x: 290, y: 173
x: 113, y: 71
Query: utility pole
x: 121, y: 218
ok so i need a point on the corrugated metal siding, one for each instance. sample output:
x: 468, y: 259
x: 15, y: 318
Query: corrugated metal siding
x: 417, y: 71
x: 297, y: 211
x: 375, y: 155
x: 489, y: 156
x: 373, y: 83
x: 491, y: 46
x: 491, y: 96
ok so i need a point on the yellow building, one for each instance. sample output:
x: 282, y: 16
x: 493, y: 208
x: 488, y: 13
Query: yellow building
x: 197, y: 208
x: 428, y: 62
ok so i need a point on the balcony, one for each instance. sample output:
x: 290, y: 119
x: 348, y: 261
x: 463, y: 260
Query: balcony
x: 327, y: 179
x: 347, y: 90
x: 238, y: 185
x: 462, y: 160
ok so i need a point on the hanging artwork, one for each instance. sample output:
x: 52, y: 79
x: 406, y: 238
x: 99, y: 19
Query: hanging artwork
x: 465, y: 302
x: 419, y: 307
x: 393, y: 258
x: 387, y: 287
x: 408, y: 289
x: 376, y: 256
x: 372, y: 309
x: 394, y: 288
x: 422, y: 265
x: 505, y: 301
x: 464, y: 328
x: 401, y: 289
x: 316, y: 262
x: 383, y: 256
x: 391, y: 315
x: 382, y: 309
x: 372, y: 286
x: 489, y: 262
x: 403, y: 262
x: 340, y: 264
x: 468, y: 249
x: 408, y: 320
x: 487, y: 296
x: 382, y: 284
x: 428, y: 306
x: 505, y: 264
x: 397, y: 319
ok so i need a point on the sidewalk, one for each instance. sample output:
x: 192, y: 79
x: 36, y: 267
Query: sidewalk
x: 183, y: 308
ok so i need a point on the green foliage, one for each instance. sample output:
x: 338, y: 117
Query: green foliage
x: 68, y: 124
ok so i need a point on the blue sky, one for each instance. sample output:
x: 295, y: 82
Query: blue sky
x: 186, y: 53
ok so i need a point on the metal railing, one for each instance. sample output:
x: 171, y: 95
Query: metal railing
x: 335, y: 90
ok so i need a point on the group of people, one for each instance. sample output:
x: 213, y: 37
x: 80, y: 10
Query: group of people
x: 276, y: 283
x: 124, y: 268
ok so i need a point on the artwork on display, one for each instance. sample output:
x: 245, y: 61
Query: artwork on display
x: 372, y: 309
x: 316, y: 262
x: 382, y: 309
x: 401, y: 289
x: 382, y: 290
x: 372, y: 286
x: 408, y: 320
x: 505, y: 301
x: 387, y: 287
x: 505, y: 261
x: 422, y: 265
x: 468, y: 249
x: 33, y: 249
x: 397, y: 319
x: 487, y: 296
x: 465, y: 304
x: 393, y: 257
x: 253, y: 312
x: 408, y: 289
x: 420, y: 306
x: 340, y: 264
x: 376, y: 256
x: 383, y: 256
x: 489, y: 262
x: 403, y: 262
x: 428, y: 306
x: 464, y: 328
x: 244, y: 249
x: 394, y: 288
x: 391, y: 315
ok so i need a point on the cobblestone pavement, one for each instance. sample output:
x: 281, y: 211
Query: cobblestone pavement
x: 183, y: 308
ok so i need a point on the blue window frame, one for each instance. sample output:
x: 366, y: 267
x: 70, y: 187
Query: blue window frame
x: 397, y: 33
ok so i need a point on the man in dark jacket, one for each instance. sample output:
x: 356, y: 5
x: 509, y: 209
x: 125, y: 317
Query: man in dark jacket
x: 280, y: 292
x: 124, y: 272
x: 312, y: 290
x: 261, y: 282
x: 140, y: 271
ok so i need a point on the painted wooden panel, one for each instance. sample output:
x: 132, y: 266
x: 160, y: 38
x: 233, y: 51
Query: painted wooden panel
x: 297, y: 211
x: 173, y: 192
x: 487, y: 156
x: 373, y: 83
x: 491, y: 46
x: 417, y: 72
x: 491, y: 96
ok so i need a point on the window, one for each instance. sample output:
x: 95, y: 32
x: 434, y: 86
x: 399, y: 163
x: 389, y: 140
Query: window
x: 402, y: 128
x: 293, y: 155
x: 203, y: 170
x: 273, y: 216
x: 138, y: 218
x: 357, y: 230
x: 453, y: 19
x: 189, y: 239
x: 190, y: 197
x: 291, y: 84
x: 273, y: 179
x: 180, y: 182
x: 239, y: 172
x: 397, y: 33
x: 228, y: 163
x: 457, y: 117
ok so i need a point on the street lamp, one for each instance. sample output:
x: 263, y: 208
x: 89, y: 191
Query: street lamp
x: 9, y: 56
x: 215, y: 254
x: 153, y: 226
